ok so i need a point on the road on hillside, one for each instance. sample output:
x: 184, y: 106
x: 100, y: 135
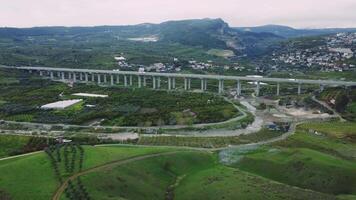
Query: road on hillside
x: 60, y: 190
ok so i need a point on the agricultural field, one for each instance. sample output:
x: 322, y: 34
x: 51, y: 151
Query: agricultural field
x: 320, y: 157
x: 123, y: 107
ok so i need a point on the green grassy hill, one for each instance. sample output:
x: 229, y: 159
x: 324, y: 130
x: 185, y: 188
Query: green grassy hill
x: 18, y: 174
x: 320, y: 156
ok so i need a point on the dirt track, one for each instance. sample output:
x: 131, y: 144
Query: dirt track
x: 60, y: 190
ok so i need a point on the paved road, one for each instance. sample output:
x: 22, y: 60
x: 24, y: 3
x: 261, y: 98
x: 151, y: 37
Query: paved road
x: 197, y: 76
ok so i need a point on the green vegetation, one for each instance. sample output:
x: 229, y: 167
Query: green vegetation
x: 221, y: 53
x: 18, y: 173
x: 13, y: 145
x: 342, y: 100
x: 123, y: 107
x: 185, y: 175
x: 209, y: 142
x: 320, y: 157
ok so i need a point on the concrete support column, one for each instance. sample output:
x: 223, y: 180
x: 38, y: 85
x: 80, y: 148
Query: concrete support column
x: 185, y: 84
x: 174, y: 83
x: 221, y: 86
x: 139, y: 81
x: 202, y: 84
x: 92, y: 77
x: 258, y: 89
x: 41, y: 73
x: 205, y: 84
x: 322, y: 87
x: 80, y: 76
x: 238, y: 88
x: 86, y: 77
x: 278, y: 89
x: 117, y: 79
x: 144, y: 81
x: 105, y: 80
x: 63, y: 78
x: 51, y: 75
x: 125, y: 80
x: 158, y: 82
x: 189, y: 85
x: 169, y: 83
x: 74, y: 77
x: 111, y: 79
x: 69, y: 75
x: 58, y: 74
x: 99, y: 79
x: 299, y: 88
x: 154, y: 82
x: 130, y: 80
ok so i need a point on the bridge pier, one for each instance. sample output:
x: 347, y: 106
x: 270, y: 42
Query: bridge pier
x: 80, y: 76
x: 154, y: 82
x: 62, y: 74
x: 86, y: 77
x: 51, y: 75
x: 130, y: 80
x: 221, y: 86
x: 125, y: 80
x: 41, y: 73
x: 105, y: 80
x: 139, y: 81
x: 185, y: 84
x: 202, y: 85
x: 111, y: 79
x: 169, y: 83
x: 92, y: 77
x: 158, y: 82
x: 278, y: 89
x: 117, y: 79
x: 258, y: 89
x: 322, y: 87
x: 174, y: 83
x: 238, y: 88
x: 299, y: 88
x: 144, y: 81
x: 99, y: 79
x: 74, y: 77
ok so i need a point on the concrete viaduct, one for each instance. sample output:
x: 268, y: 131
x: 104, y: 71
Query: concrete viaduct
x: 101, y: 76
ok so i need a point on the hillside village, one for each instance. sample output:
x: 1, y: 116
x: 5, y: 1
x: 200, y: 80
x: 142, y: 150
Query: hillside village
x: 330, y: 56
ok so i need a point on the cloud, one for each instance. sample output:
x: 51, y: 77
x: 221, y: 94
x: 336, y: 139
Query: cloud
x: 301, y: 13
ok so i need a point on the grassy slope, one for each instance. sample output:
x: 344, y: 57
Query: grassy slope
x: 9, y: 144
x: 32, y: 177
x: 145, y: 179
x: 28, y: 177
x: 195, y: 175
x: 325, y: 163
x: 227, y: 183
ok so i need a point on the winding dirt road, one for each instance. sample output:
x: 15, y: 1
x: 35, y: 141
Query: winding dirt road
x: 60, y: 190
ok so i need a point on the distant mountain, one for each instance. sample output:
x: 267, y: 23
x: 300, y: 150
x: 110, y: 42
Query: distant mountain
x: 207, y: 33
x: 289, y: 32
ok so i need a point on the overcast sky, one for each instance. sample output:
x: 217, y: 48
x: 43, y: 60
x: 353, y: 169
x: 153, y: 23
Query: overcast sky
x: 296, y: 13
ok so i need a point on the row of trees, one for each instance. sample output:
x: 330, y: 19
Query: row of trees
x: 68, y: 159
